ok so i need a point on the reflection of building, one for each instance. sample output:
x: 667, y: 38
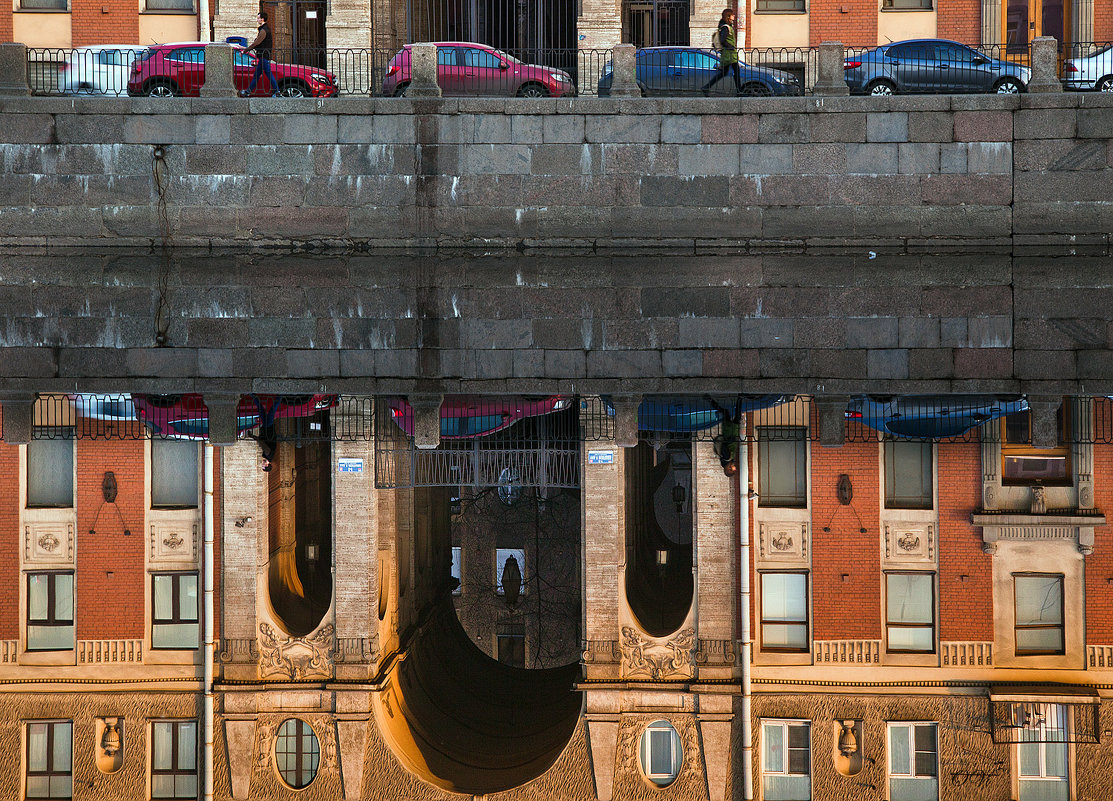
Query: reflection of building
x: 927, y: 620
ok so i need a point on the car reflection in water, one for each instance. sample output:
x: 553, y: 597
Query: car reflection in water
x: 931, y: 416
x: 187, y: 417
x: 467, y: 416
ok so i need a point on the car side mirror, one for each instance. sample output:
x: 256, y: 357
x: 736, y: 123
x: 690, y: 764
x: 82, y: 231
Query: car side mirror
x: 503, y: 66
x: 979, y: 60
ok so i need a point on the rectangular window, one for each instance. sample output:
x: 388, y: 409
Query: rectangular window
x: 174, y: 759
x: 913, y: 762
x: 907, y: 5
x: 457, y: 575
x: 173, y: 473
x: 174, y: 617
x: 786, y: 773
x: 782, y: 453
x: 784, y: 611
x: 170, y: 5
x: 782, y: 6
x: 49, y: 759
x: 50, y: 469
x: 1043, y: 756
x: 1024, y: 465
x: 909, y: 477
x: 1039, y: 614
x: 512, y: 645
x: 910, y: 612
x: 45, y: 5
x: 50, y: 612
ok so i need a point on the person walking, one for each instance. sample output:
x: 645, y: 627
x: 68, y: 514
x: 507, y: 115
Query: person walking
x: 728, y: 56
x: 262, y: 46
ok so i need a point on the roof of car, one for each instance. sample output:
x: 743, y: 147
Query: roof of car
x: 132, y: 46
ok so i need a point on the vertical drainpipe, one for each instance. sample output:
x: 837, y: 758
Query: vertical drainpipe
x: 210, y: 642
x: 744, y: 568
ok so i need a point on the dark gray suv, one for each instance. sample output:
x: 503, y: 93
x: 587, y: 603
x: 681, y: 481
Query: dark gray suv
x: 931, y: 65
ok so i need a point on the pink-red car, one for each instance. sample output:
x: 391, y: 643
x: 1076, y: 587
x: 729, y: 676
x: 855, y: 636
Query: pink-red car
x: 178, y: 70
x: 466, y: 68
x: 468, y: 416
x: 187, y: 417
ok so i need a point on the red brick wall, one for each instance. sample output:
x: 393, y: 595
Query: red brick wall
x: 1099, y: 564
x: 1103, y: 21
x: 104, y: 22
x: 960, y: 20
x: 9, y: 541
x: 110, y: 576
x: 846, y: 608
x: 852, y: 22
x: 966, y: 605
x: 6, y: 32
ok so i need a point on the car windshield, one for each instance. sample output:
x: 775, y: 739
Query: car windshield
x: 508, y: 57
x: 470, y: 426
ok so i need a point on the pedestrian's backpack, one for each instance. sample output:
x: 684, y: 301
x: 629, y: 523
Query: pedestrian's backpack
x: 716, y: 45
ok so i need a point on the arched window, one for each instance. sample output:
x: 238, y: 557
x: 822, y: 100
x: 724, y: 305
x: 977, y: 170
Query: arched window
x: 296, y: 753
x: 661, y: 754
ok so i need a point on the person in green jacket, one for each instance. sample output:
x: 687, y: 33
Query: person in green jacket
x: 728, y: 56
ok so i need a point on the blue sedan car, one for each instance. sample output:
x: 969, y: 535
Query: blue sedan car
x: 685, y: 70
x: 931, y: 65
x: 684, y: 414
x: 931, y: 416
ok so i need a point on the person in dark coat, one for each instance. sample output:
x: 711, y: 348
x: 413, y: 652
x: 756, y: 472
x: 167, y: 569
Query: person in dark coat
x: 268, y: 435
x: 728, y: 56
x: 262, y: 46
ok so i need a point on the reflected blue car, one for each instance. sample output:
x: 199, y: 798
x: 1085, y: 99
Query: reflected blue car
x: 684, y: 414
x: 931, y: 416
x: 682, y: 71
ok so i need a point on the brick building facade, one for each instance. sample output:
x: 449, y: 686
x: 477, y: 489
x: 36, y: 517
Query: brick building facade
x: 897, y: 643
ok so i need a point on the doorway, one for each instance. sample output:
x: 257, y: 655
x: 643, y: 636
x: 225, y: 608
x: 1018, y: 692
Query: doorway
x: 1024, y: 20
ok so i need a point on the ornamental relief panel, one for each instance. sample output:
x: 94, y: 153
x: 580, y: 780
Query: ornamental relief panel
x: 783, y: 541
x: 296, y: 658
x: 689, y: 780
x: 657, y: 658
x: 48, y: 544
x: 905, y: 542
x: 173, y: 541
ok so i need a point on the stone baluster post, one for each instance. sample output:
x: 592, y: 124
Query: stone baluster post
x: 625, y: 81
x: 218, y: 71
x: 831, y: 82
x: 423, y: 71
x: 1045, y: 65
x: 13, y: 69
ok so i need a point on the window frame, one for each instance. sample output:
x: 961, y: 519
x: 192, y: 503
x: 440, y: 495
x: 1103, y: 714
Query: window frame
x: 1061, y: 626
x: 912, y: 775
x: 934, y: 613
x: 51, y: 620
x: 148, y: 10
x: 893, y: 502
x: 158, y: 442
x: 1042, y: 745
x: 176, y: 725
x: 175, y: 601
x: 907, y: 5
x: 510, y: 632
x: 763, y: 7
x: 51, y: 724
x: 67, y: 434
x: 785, y: 724
x: 763, y: 471
x: 300, y: 728
x: 55, y: 9
x: 762, y: 621
x: 645, y: 753
x: 456, y: 569
x: 1015, y: 449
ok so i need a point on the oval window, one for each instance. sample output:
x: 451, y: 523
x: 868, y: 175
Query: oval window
x: 661, y: 754
x: 296, y: 753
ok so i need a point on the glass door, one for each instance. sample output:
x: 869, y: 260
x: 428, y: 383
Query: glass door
x: 1024, y: 20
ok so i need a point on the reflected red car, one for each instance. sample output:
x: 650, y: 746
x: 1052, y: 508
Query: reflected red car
x: 467, y: 68
x: 178, y: 70
x: 468, y: 416
x: 187, y: 417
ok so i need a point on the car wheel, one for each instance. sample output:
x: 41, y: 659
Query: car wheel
x: 293, y: 89
x: 1007, y: 86
x: 400, y: 89
x: 881, y: 88
x: 532, y: 90
x: 161, y: 89
x: 1105, y: 84
x: 756, y: 89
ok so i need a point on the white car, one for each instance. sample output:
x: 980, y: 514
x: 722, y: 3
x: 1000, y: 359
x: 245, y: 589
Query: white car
x: 1095, y: 71
x: 117, y: 408
x: 98, y: 69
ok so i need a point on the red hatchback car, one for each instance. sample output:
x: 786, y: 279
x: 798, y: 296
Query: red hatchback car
x: 178, y: 70
x: 466, y: 68
x: 187, y: 417
x: 470, y: 416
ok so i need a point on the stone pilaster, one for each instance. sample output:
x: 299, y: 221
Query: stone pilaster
x: 716, y: 555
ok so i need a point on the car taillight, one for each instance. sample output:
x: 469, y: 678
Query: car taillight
x: 854, y: 415
x: 1068, y: 67
x: 392, y: 70
x: 851, y: 65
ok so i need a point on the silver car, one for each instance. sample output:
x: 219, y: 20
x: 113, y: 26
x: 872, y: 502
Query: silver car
x: 1094, y: 71
x: 98, y: 69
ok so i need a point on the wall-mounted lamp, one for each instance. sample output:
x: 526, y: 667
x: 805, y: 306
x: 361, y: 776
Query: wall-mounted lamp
x: 679, y: 494
x: 845, y: 490
x: 109, y: 490
x: 243, y: 521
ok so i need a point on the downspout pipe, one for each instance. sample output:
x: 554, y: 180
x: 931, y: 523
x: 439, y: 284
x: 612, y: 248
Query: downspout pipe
x: 743, y: 495
x: 208, y: 477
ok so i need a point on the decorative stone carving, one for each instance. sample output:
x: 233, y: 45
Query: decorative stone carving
x: 1099, y: 657
x: 48, y: 544
x: 1039, y: 500
x: 670, y: 659
x: 783, y: 541
x: 264, y: 736
x: 966, y: 654
x: 173, y: 541
x: 601, y: 651
x: 908, y: 542
x: 848, y: 652
x: 239, y: 649
x: 297, y: 658
x: 8, y: 651
x: 715, y: 652
x: 98, y: 652
x: 353, y: 649
x: 1021, y: 527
